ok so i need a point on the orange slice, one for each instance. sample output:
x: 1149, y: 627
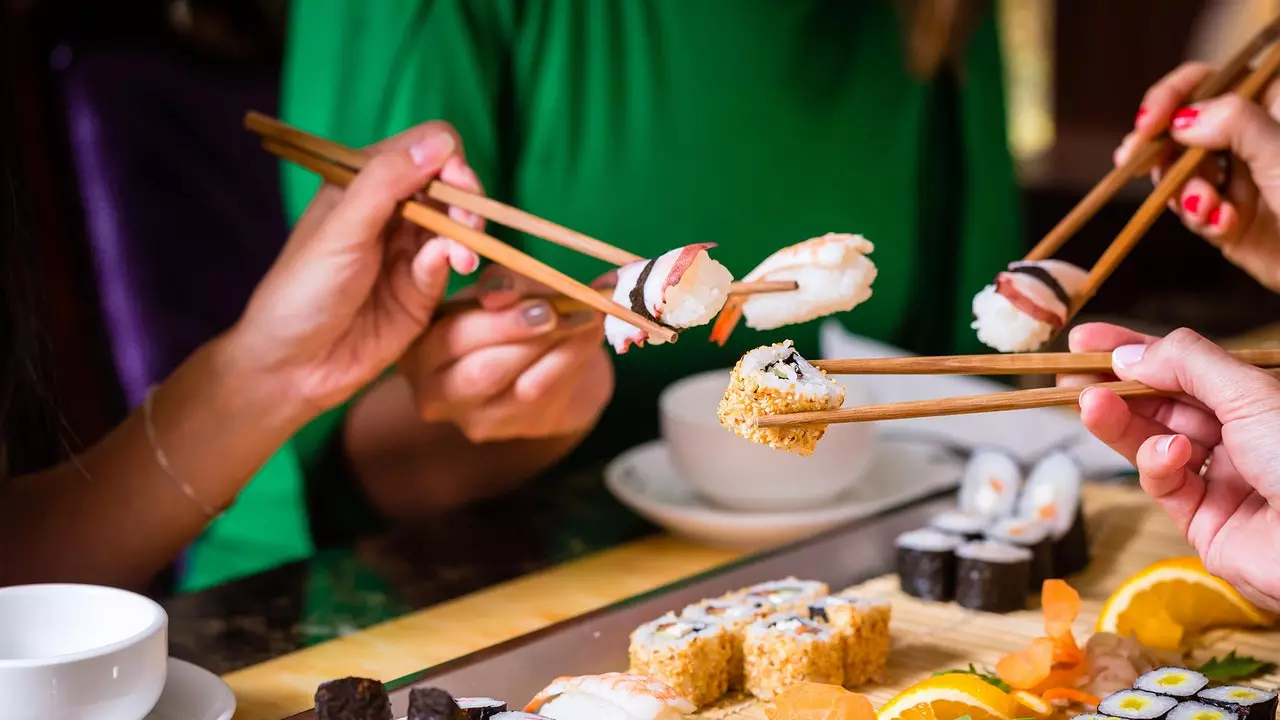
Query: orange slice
x: 805, y: 701
x: 1168, y: 602
x: 949, y: 696
x: 1030, y: 703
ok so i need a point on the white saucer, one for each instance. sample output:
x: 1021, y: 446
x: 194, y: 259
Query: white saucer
x: 193, y: 693
x: 644, y: 479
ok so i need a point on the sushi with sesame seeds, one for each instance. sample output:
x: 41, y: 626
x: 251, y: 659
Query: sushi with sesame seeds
x: 772, y: 380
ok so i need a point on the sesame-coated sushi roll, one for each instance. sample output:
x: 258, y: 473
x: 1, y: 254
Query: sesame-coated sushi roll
x: 772, y: 380
x: 785, y: 649
x: 927, y: 564
x: 1052, y: 496
x: 992, y: 576
x: 1193, y: 710
x: 990, y: 485
x: 1250, y: 703
x: 1033, y: 536
x: 969, y: 526
x: 783, y: 595
x: 679, y: 289
x: 1028, y: 304
x: 690, y: 656
x: 1172, y: 681
x: 864, y: 624
x: 1136, y: 705
x: 735, y: 616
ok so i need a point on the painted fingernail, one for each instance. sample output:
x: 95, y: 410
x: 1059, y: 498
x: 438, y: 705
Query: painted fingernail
x: 1185, y: 118
x: 1215, y: 217
x: 1164, y: 443
x: 576, y: 318
x: 537, y: 314
x: 498, y: 283
x: 1128, y: 355
x: 432, y: 150
x: 1191, y: 203
x: 1141, y: 111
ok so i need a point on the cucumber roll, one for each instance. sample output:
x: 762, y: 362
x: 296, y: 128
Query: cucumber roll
x: 1094, y: 716
x: 1192, y: 710
x: 967, y: 525
x: 1052, y: 496
x: 1172, y: 681
x: 690, y: 656
x: 1136, y: 705
x: 992, y: 576
x: 1251, y: 703
x: 1033, y: 536
x: 785, y: 649
x: 927, y: 564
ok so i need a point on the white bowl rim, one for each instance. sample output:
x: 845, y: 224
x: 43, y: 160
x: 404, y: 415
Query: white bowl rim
x: 158, y: 622
x: 856, y: 391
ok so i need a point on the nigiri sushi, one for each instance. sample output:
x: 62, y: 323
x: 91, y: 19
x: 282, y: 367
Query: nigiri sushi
x: 775, y: 379
x: 611, y: 696
x: 1027, y: 305
x: 681, y: 288
x: 832, y: 274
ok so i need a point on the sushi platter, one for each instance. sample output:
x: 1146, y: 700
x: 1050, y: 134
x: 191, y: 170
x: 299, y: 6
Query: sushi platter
x: 926, y: 637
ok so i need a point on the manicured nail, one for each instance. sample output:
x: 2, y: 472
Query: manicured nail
x: 1215, y: 217
x: 1141, y: 111
x: 576, y: 318
x: 1127, y: 356
x: 498, y: 283
x: 1164, y: 443
x: 537, y: 314
x: 431, y: 151
x: 1185, y: 118
x: 1191, y: 203
x: 1080, y: 400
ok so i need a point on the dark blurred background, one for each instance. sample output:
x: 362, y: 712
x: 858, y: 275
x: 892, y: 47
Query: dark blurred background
x: 112, y: 91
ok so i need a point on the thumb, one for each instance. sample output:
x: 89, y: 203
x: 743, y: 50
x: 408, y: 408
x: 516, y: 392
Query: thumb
x: 1185, y: 362
x: 1231, y: 122
x: 385, y: 181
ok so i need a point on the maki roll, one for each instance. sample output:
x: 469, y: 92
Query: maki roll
x: 1093, y: 716
x: 691, y: 656
x: 992, y: 576
x: 832, y: 274
x: 433, y: 704
x: 518, y: 715
x: 864, y: 626
x: 1033, y: 536
x: 352, y: 698
x: 481, y: 708
x: 969, y: 526
x: 990, y: 485
x: 927, y: 564
x: 785, y: 649
x: 775, y: 379
x: 785, y: 594
x: 1052, y: 496
x: 1172, y: 681
x: 1027, y: 305
x: 681, y: 288
x: 735, y: 616
x: 1192, y: 710
x: 1250, y: 703
x: 1136, y: 705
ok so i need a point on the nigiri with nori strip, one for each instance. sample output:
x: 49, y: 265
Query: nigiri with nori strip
x: 776, y: 379
x: 681, y: 288
x: 1028, y: 304
x: 611, y: 696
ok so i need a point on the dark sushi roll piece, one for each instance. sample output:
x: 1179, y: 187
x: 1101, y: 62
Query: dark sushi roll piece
x: 1192, y: 710
x: 1094, y: 716
x: 433, y: 704
x: 968, y: 525
x: 992, y: 576
x: 1172, y: 681
x: 481, y: 708
x: 1250, y: 703
x: 1052, y: 496
x: 1136, y: 705
x: 927, y: 564
x: 353, y: 698
x: 1033, y: 536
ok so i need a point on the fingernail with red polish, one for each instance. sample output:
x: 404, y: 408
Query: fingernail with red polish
x: 1141, y: 111
x: 1215, y: 217
x: 1164, y: 443
x: 1191, y: 203
x: 1185, y: 117
x: 1128, y: 355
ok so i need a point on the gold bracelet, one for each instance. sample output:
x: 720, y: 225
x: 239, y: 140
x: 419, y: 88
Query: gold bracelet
x: 163, y: 460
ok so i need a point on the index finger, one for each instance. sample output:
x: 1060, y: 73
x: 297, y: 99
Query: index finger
x: 466, y: 332
x: 1168, y: 95
x: 1098, y: 337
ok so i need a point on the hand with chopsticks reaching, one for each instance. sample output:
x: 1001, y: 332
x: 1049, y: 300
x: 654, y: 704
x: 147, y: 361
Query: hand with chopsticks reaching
x: 1208, y: 455
x: 1236, y: 210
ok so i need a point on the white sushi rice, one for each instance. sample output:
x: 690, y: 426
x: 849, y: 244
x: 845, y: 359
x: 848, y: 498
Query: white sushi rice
x: 832, y: 273
x: 782, y: 368
x: 1005, y: 328
x: 928, y: 540
x: 1172, y: 681
x: 959, y: 522
x: 993, y: 552
x: 990, y: 485
x: 695, y: 300
x: 1136, y: 705
x: 1237, y: 694
x: 1200, y: 711
x: 1052, y: 493
x: 1016, y: 531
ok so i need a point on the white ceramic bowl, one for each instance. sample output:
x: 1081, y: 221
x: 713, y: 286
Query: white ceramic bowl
x: 80, y: 651
x: 741, y: 475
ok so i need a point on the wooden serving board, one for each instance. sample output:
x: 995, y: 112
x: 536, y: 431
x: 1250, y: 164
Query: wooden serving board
x: 1127, y: 533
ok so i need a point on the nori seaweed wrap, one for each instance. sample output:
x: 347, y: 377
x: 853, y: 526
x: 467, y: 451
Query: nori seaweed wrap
x: 1249, y: 703
x: 927, y: 564
x: 992, y: 576
x: 353, y: 698
x: 433, y: 704
x: 1033, y: 536
x: 479, y: 708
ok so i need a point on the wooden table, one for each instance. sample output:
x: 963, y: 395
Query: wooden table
x: 1127, y: 530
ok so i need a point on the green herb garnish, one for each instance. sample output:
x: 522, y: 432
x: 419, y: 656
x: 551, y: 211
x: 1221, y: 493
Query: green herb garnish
x: 985, y: 675
x: 1234, y: 667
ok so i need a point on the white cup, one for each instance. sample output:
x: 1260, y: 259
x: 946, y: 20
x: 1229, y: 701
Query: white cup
x: 80, y: 651
x: 741, y: 475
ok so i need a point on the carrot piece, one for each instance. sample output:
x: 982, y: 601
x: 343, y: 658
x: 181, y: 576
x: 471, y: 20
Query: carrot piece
x: 726, y: 321
x: 1027, y: 669
x: 1070, y: 694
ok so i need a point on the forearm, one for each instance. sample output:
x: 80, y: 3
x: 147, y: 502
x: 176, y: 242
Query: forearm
x: 409, y: 468
x: 113, y: 515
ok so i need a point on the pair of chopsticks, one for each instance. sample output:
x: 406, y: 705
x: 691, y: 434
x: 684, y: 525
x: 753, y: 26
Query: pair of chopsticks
x: 1234, y: 74
x: 1030, y: 363
x: 279, y: 136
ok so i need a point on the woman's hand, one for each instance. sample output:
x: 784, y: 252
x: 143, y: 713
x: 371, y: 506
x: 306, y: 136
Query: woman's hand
x: 1208, y: 455
x: 355, y: 284
x: 1240, y: 218
x: 513, y: 369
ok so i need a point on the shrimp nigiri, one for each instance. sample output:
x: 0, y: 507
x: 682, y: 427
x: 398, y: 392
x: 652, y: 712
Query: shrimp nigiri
x: 611, y: 696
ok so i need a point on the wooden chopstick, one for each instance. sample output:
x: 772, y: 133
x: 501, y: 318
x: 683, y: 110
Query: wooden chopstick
x: 1220, y: 82
x: 1007, y: 364
x: 485, y: 245
x: 563, y: 304
x: 1169, y: 186
x: 481, y: 205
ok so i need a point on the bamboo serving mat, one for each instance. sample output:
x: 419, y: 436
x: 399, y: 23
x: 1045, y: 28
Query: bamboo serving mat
x: 1127, y: 532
